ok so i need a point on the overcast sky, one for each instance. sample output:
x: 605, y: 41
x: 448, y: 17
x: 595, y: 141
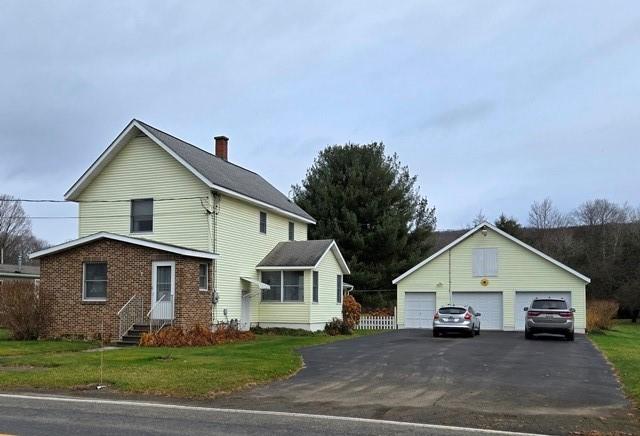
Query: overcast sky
x: 491, y: 104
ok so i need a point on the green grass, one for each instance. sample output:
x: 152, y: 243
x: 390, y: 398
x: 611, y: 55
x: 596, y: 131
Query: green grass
x: 621, y: 345
x: 196, y: 372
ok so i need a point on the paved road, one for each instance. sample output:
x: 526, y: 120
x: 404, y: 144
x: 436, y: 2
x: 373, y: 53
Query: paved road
x: 496, y: 380
x: 66, y: 416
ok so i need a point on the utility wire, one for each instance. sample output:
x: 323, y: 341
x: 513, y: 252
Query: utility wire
x: 46, y: 200
x: 17, y: 217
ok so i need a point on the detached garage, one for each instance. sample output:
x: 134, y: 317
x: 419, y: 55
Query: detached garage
x: 495, y: 273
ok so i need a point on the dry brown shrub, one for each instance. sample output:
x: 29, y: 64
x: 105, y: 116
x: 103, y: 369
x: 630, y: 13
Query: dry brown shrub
x: 21, y: 309
x: 351, y: 312
x: 601, y: 313
x: 197, y: 336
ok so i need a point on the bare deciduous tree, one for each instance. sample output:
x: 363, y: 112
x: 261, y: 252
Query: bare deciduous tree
x: 544, y: 215
x: 15, y: 231
x: 479, y: 218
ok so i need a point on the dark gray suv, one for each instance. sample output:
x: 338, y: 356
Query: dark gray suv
x: 549, y: 315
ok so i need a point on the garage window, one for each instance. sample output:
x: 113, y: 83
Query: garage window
x: 485, y: 262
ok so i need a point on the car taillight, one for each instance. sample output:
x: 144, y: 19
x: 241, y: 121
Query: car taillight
x: 436, y: 316
x: 531, y: 314
x: 565, y: 314
x: 467, y: 315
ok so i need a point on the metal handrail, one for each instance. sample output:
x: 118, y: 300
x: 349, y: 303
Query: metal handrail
x: 126, y: 304
x: 130, y: 314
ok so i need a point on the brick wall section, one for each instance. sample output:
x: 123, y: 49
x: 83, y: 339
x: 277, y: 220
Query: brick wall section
x: 128, y: 273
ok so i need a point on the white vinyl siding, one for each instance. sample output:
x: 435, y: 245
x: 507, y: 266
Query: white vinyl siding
x: 519, y: 270
x: 241, y: 248
x: 485, y: 262
x: 140, y: 170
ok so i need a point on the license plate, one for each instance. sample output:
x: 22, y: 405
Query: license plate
x: 549, y: 316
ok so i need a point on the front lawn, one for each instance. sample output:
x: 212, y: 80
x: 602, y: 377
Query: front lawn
x: 195, y: 372
x: 622, y: 347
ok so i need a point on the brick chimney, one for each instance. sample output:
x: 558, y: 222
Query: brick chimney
x: 222, y: 147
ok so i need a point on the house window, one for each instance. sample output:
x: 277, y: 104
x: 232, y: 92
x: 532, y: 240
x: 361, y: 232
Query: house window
x: 263, y: 222
x: 485, y: 262
x: 292, y: 231
x: 339, y: 288
x: 203, y: 277
x: 293, y: 286
x: 274, y: 280
x: 315, y: 286
x: 94, y: 281
x: 284, y: 286
x: 142, y: 215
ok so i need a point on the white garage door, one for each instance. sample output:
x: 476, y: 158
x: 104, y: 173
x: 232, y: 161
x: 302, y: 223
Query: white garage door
x: 489, y: 304
x: 523, y: 299
x: 419, y: 308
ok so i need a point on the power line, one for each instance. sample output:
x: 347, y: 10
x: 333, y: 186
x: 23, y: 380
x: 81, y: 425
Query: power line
x: 19, y: 217
x: 47, y: 200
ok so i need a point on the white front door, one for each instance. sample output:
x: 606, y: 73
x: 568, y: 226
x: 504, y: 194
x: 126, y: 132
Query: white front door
x: 245, y: 315
x: 163, y: 289
x: 419, y: 308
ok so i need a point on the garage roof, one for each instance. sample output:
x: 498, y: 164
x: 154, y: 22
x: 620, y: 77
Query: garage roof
x: 500, y: 232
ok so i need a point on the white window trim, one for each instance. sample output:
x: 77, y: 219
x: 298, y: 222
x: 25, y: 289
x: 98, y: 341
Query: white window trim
x: 206, y: 278
x: 84, y: 283
x: 266, y: 222
x: 282, y: 300
x: 341, y: 289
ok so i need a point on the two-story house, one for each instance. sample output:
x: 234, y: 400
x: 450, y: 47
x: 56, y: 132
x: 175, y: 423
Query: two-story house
x: 172, y: 233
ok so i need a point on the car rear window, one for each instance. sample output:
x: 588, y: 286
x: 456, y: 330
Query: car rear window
x: 452, y: 310
x: 549, y: 304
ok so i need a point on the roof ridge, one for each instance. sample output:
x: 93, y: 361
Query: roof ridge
x: 197, y: 148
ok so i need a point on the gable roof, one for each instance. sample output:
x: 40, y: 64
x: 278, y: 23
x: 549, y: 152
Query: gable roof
x: 502, y: 233
x: 127, y: 239
x: 219, y: 174
x: 301, y: 255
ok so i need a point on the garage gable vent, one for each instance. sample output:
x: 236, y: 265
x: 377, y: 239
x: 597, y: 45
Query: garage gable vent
x: 485, y: 262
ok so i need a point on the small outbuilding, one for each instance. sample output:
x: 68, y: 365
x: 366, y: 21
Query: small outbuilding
x: 492, y: 271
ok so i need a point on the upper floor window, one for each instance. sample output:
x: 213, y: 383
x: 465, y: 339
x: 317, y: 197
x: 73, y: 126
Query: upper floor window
x: 142, y: 215
x: 94, y: 281
x: 263, y: 222
x: 292, y: 231
x: 203, y: 277
x: 339, y: 288
x: 485, y: 262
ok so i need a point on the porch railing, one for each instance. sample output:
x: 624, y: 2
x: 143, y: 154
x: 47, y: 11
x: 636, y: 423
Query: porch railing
x: 160, y: 314
x: 130, y: 314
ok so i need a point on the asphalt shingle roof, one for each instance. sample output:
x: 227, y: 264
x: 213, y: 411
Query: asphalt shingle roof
x: 226, y: 174
x: 296, y: 253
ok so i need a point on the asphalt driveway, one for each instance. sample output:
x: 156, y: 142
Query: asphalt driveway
x: 496, y: 380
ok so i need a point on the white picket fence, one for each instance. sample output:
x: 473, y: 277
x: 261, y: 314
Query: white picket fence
x: 378, y: 322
